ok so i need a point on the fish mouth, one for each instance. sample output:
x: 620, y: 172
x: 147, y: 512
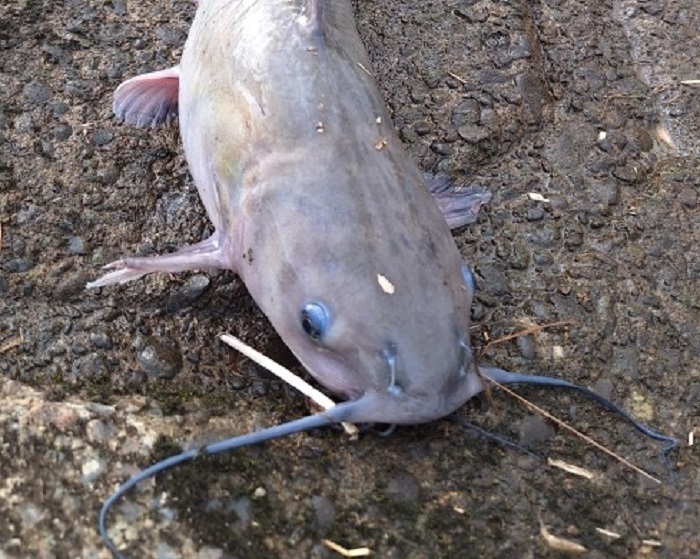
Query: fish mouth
x: 467, y: 364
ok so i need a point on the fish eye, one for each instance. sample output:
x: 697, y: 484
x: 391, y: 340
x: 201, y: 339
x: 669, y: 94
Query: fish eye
x: 468, y: 278
x: 315, y: 320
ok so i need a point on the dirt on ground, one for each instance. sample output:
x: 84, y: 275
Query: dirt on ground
x: 573, y: 113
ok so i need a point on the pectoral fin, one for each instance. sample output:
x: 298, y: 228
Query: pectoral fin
x: 148, y: 100
x: 205, y: 254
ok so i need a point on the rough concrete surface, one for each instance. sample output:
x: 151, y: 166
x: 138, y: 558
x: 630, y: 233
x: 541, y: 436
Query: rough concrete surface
x: 579, y: 101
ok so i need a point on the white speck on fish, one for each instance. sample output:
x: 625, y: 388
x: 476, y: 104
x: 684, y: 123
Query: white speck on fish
x: 385, y: 284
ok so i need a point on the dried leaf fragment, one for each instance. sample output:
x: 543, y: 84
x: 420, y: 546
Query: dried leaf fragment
x: 608, y: 533
x: 537, y: 197
x: 663, y: 135
x: 357, y: 552
x: 571, y: 468
x: 380, y: 144
x: 12, y: 343
x: 560, y: 544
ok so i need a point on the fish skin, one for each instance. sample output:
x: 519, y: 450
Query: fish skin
x: 314, y: 200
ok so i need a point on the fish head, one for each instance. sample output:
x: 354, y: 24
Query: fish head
x: 373, y: 300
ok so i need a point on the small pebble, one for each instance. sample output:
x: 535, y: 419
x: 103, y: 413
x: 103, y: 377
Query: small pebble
x: 442, y: 148
x: 472, y: 133
x: 47, y: 149
x: 91, y: 469
x: 526, y: 345
x: 30, y: 514
x: 18, y: 265
x: 160, y: 359
x: 688, y: 197
x: 403, y: 488
x: 164, y: 551
x: 195, y: 286
x: 100, y: 340
x: 626, y: 173
x: 101, y: 137
x: 27, y: 214
x: 37, y: 92
x: 98, y: 431
x: 325, y: 512
x: 77, y: 245
x: 422, y: 128
x: 90, y: 368
x: 534, y: 429
x: 535, y: 214
x: 59, y: 108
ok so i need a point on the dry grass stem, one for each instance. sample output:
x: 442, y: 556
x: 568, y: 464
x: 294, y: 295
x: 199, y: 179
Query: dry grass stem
x: 525, y: 332
x: 571, y: 468
x: 460, y: 79
x: 569, y: 428
x: 608, y: 533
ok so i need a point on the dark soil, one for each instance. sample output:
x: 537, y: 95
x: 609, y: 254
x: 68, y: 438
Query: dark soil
x: 579, y: 102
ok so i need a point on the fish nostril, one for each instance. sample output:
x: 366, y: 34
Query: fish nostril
x: 466, y: 359
x: 468, y: 277
x: 390, y: 357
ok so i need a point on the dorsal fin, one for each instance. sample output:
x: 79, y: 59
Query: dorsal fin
x: 312, y: 12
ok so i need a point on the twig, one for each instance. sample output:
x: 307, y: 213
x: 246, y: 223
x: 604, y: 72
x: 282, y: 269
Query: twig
x: 558, y: 543
x: 286, y: 375
x: 12, y: 343
x: 571, y: 468
x: 460, y: 79
x: 364, y: 69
